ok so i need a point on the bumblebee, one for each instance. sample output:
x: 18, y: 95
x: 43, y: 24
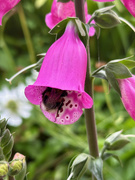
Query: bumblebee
x: 54, y: 99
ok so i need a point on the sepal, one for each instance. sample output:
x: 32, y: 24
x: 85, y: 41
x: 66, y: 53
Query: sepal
x: 79, y: 166
x: 96, y: 168
x: 81, y: 28
x: 107, y: 155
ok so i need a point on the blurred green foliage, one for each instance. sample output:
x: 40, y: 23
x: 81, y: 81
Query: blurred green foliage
x: 50, y: 147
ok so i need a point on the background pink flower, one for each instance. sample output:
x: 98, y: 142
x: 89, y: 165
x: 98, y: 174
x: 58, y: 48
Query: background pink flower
x: 129, y: 4
x: 64, y: 69
x: 127, y: 88
x: 5, y: 6
x: 60, y: 11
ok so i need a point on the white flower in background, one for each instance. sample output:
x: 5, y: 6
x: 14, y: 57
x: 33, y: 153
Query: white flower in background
x: 13, y: 105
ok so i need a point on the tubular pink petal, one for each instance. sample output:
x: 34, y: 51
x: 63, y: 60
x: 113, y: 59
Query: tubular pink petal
x: 130, y: 5
x: 127, y: 87
x: 5, y: 6
x: 64, y: 69
x: 60, y: 11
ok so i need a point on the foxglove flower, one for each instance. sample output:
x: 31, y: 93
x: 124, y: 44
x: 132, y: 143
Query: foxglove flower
x: 129, y: 4
x: 60, y: 11
x: 59, y: 88
x: 127, y: 88
x: 5, y: 6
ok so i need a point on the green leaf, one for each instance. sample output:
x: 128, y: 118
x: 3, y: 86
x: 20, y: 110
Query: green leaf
x: 96, y: 168
x: 108, y: 155
x: 112, y: 80
x: 119, y: 70
x: 125, y: 61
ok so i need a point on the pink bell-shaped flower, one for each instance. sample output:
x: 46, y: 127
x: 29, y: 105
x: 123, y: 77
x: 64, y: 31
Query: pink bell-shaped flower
x: 59, y: 88
x: 5, y: 6
x: 127, y: 88
x: 60, y: 11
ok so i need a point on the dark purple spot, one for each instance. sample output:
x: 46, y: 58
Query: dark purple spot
x: 71, y: 105
x: 62, y: 120
x: 66, y: 117
x: 61, y: 110
x: 68, y: 102
x: 79, y: 94
x: 75, y: 105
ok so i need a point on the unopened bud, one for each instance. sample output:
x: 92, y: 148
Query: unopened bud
x: 22, y: 174
x: 116, y: 141
x: 106, y: 18
x: 80, y: 165
x: 7, y: 149
x: 15, y: 167
x: 3, y: 123
x: 3, y: 169
x: 5, y: 137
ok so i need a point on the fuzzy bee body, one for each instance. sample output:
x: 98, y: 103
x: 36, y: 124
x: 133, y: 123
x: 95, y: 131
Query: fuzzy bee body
x: 53, y: 99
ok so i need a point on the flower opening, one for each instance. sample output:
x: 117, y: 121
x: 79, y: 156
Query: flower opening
x: 59, y: 88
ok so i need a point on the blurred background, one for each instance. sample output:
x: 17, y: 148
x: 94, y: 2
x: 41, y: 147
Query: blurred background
x: 49, y: 147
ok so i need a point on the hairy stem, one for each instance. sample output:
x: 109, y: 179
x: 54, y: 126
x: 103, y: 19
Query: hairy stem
x: 89, y: 113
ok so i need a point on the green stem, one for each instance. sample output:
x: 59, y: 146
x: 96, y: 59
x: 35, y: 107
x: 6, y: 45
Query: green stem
x: 26, y: 34
x: 89, y: 113
x: 107, y: 97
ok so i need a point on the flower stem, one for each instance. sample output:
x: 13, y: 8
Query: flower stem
x: 26, y: 34
x: 89, y: 113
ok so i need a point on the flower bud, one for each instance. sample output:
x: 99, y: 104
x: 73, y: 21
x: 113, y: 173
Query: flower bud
x: 80, y: 165
x: 9, y: 146
x: 3, y: 123
x: 22, y: 174
x: 3, y: 169
x: 17, y: 164
x: 5, y: 137
x: 106, y: 18
x: 15, y: 167
x: 119, y: 143
x: 116, y: 141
